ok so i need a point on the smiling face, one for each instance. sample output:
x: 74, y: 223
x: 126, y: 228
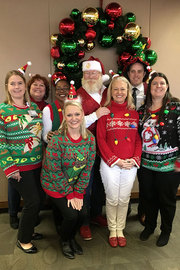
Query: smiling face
x: 37, y: 90
x: 16, y: 87
x: 92, y: 81
x: 158, y: 88
x: 136, y: 74
x: 74, y: 117
x: 62, y: 90
x: 119, y: 91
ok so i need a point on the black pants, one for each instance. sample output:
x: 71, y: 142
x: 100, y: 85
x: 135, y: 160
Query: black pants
x: 71, y: 219
x: 159, y: 190
x: 29, y: 189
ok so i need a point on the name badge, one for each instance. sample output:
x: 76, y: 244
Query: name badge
x: 32, y: 113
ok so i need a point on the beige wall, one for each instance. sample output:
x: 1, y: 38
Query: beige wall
x: 26, y: 25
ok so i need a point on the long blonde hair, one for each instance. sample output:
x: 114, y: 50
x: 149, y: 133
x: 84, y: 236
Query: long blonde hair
x: 129, y: 99
x: 63, y: 127
x: 8, y: 99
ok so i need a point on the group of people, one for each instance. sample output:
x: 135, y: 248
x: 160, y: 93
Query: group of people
x: 95, y: 139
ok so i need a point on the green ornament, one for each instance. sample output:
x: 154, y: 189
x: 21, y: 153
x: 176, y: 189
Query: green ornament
x: 151, y: 57
x: 68, y: 47
x: 72, y: 66
x: 106, y: 41
x: 137, y: 45
x: 55, y: 62
x: 131, y: 17
x: 166, y: 111
x: 74, y: 13
x: 119, y: 72
x: 141, y: 55
x: 103, y: 21
x: 112, y: 115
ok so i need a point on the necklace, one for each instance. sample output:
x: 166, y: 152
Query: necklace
x: 113, y: 123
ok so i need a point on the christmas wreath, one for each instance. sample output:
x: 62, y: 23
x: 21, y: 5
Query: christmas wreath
x: 78, y: 33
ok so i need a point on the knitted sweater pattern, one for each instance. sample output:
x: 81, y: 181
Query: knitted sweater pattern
x: 161, y: 142
x: 67, y: 166
x: 121, y: 125
x: 20, y: 138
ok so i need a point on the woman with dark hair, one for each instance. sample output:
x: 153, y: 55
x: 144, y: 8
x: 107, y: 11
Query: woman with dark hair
x: 38, y: 88
x: 21, y: 153
x: 159, y: 174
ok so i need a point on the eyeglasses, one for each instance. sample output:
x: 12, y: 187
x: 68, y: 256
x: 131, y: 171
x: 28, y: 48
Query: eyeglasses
x: 62, y: 89
x: 91, y: 73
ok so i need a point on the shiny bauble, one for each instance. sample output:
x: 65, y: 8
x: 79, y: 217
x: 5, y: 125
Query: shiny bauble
x: 60, y: 65
x: 106, y: 41
x: 103, y: 21
x: 72, y: 66
x: 90, y: 16
x: 113, y: 10
x: 54, y: 39
x: 81, y: 42
x: 89, y: 46
x: 111, y: 25
x: 68, y: 47
x: 123, y: 57
x: 137, y: 45
x: 90, y: 34
x: 151, y: 57
x: 75, y: 13
x: 119, y: 39
x: 81, y: 54
x: 140, y: 54
x: 55, y: 52
x: 131, y: 17
x: 66, y: 27
x: 131, y: 31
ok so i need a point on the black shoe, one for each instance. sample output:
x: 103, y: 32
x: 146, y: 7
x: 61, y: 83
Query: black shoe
x: 163, y: 239
x: 76, y: 247
x: 14, y: 222
x: 67, y: 250
x: 31, y: 250
x: 145, y: 234
x: 37, y: 236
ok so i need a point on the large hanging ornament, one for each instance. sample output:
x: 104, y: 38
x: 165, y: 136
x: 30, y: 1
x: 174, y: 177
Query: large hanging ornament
x: 90, y: 34
x: 54, y: 39
x: 113, y: 10
x: 90, y: 16
x: 75, y: 13
x: 66, y: 27
x: 131, y: 31
x: 55, y: 52
x: 131, y: 17
x: 68, y: 47
x: 106, y: 41
x: 151, y: 57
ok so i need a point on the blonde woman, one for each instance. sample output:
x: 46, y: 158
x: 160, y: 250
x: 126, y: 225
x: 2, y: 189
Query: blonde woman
x: 70, y: 156
x: 120, y: 149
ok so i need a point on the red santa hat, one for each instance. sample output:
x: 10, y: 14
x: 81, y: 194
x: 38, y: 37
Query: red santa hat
x: 95, y: 64
x: 23, y: 69
x: 56, y: 77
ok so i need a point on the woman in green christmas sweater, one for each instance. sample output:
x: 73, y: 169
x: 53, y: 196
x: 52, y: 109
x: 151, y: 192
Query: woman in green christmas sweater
x: 21, y: 153
x: 65, y: 175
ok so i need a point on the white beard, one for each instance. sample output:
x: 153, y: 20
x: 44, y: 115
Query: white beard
x: 94, y: 88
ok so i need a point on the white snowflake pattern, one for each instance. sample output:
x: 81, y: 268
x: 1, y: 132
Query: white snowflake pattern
x: 178, y: 108
x: 120, y: 123
x: 170, y: 121
x: 147, y: 155
x: 164, y: 132
x: 127, y: 123
x: 158, y: 157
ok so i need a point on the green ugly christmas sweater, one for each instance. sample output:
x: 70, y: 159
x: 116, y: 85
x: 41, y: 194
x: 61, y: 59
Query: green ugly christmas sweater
x: 67, y: 166
x: 20, y: 138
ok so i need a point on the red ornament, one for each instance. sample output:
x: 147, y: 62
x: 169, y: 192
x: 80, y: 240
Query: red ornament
x: 90, y: 35
x: 148, y: 42
x: 123, y: 57
x: 66, y: 27
x: 113, y: 10
x: 161, y: 123
x: 81, y: 54
x: 128, y: 139
x: 55, y: 52
x: 111, y: 25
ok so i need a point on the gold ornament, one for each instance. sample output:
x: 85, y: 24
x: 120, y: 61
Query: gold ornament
x: 54, y: 39
x: 90, y: 46
x: 90, y: 16
x: 119, y: 39
x: 81, y: 42
x: 60, y: 65
x: 131, y: 31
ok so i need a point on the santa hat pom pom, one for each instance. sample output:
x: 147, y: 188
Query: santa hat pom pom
x: 49, y: 75
x: 72, y: 82
x: 105, y: 77
x: 29, y: 63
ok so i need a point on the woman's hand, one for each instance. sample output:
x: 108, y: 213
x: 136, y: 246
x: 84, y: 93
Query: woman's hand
x: 16, y: 176
x: 50, y: 134
x: 75, y: 203
x: 129, y: 163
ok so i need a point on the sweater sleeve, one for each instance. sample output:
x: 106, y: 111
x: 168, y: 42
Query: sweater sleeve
x: 53, y: 169
x: 138, y: 150
x: 107, y: 155
x: 84, y: 176
x: 6, y: 161
x: 47, y: 123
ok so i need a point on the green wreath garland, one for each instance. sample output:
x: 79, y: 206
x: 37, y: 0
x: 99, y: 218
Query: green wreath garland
x: 109, y: 28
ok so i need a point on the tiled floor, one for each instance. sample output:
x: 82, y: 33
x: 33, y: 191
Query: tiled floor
x: 98, y: 255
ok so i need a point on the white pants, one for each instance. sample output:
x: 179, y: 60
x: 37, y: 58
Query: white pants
x: 118, y: 184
